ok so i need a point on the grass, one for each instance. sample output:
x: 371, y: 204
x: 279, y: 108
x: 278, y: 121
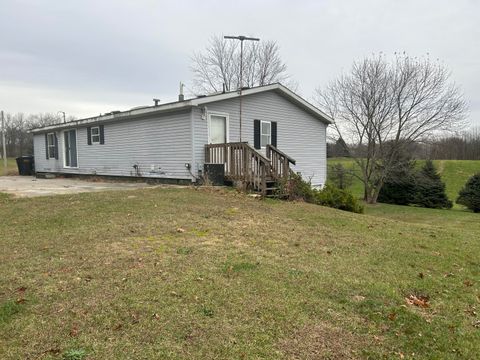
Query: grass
x: 110, y: 276
x: 11, y: 167
x: 454, y: 173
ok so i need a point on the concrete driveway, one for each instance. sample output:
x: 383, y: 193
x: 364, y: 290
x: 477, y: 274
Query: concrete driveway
x: 28, y: 186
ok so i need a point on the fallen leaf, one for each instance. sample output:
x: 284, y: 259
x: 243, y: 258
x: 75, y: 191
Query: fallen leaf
x: 468, y: 283
x: 54, y: 351
x: 180, y: 230
x: 420, y: 301
x: 358, y: 298
x: 21, y: 301
x: 74, y: 331
x: 21, y: 289
x: 134, y: 318
x: 420, y: 275
x: 392, y: 316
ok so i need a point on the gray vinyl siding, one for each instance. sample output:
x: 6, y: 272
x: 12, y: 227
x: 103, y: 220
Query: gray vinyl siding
x: 299, y: 134
x: 164, y: 142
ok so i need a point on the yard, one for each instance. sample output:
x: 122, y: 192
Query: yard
x: 204, y: 274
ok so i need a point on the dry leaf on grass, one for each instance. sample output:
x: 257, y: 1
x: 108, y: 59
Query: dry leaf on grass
x: 420, y: 301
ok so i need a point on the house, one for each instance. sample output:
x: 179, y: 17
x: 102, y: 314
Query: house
x: 278, y: 132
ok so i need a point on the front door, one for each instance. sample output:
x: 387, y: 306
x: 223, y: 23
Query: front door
x: 70, y: 138
x: 218, y: 129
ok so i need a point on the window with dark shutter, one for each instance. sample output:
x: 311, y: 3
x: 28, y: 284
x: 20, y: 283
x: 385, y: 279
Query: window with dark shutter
x: 256, y: 134
x: 51, y: 144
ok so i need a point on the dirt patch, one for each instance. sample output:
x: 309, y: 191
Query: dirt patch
x: 321, y: 341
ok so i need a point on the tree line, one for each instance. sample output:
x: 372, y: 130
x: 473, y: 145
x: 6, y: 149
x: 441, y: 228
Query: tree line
x: 18, y: 139
x: 462, y: 146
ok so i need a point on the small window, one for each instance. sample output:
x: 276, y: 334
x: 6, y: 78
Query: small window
x: 265, y: 133
x: 51, y: 145
x: 95, y: 135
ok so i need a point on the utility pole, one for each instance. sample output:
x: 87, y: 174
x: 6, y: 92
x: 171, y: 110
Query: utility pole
x: 4, y: 145
x: 241, y: 38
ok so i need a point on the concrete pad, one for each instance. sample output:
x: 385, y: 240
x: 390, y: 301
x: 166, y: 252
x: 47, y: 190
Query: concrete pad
x: 28, y: 186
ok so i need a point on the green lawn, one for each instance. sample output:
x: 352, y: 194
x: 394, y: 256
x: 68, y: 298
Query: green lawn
x: 11, y: 167
x: 203, y: 274
x: 455, y: 174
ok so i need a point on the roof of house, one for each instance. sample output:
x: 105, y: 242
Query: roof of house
x: 193, y: 102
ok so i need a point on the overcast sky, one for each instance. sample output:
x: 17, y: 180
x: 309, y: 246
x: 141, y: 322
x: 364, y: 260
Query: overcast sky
x: 89, y: 57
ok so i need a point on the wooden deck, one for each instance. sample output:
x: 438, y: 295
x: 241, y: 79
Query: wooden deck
x: 245, y: 164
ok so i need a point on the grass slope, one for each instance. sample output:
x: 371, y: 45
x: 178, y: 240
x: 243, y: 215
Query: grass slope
x: 455, y: 174
x: 184, y: 273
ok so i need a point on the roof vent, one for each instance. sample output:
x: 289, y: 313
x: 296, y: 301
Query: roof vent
x: 181, y: 97
x: 156, y: 101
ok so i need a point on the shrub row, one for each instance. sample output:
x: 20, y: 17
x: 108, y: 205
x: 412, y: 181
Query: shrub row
x: 407, y: 186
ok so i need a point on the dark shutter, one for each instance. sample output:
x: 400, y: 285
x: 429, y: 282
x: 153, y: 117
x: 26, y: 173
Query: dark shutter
x: 46, y: 145
x: 89, y: 135
x: 256, y: 134
x: 274, y: 133
x: 102, y: 135
x: 56, y: 145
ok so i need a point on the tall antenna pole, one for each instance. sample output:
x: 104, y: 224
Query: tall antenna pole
x: 4, y: 144
x: 241, y: 38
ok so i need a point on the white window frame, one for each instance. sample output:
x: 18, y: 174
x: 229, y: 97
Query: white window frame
x: 262, y: 134
x: 227, y: 124
x: 92, y: 135
x: 51, y: 146
x: 64, y: 152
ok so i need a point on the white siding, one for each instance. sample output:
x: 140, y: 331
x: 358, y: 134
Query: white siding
x: 162, y: 141
x: 299, y: 134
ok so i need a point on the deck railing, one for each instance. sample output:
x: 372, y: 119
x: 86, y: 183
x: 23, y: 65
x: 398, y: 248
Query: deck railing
x: 244, y: 163
x: 279, y: 161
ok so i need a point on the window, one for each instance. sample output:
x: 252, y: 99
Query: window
x: 95, y: 135
x: 51, y: 145
x: 265, y: 133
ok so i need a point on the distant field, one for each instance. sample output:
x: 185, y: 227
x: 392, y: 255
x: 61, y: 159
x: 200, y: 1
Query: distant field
x: 11, y: 167
x: 454, y: 173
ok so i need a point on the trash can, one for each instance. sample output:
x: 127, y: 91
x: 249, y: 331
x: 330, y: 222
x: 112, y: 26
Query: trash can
x: 215, y: 173
x: 25, y: 165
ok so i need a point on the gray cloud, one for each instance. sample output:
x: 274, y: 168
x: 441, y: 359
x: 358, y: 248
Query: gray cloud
x: 87, y: 57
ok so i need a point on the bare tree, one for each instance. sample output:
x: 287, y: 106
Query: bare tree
x: 219, y: 65
x: 19, y: 141
x: 382, y: 107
